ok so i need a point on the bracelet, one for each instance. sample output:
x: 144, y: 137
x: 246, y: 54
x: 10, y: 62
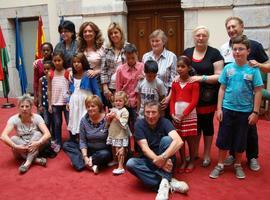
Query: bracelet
x: 204, y: 78
x: 255, y: 112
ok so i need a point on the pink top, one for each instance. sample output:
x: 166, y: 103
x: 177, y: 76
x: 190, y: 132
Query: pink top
x: 59, y: 90
x: 189, y: 93
x: 94, y: 58
x: 38, y: 73
x: 127, y: 79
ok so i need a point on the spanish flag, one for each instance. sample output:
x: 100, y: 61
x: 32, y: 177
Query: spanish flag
x: 40, y: 38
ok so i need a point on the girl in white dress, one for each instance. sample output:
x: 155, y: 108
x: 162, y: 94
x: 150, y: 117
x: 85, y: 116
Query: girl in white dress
x: 81, y: 86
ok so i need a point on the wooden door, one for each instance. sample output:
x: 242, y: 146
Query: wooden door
x: 145, y: 16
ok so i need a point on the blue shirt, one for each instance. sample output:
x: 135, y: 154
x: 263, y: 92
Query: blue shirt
x: 240, y: 82
x: 153, y: 136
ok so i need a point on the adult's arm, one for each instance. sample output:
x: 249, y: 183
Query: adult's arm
x: 221, y: 93
x: 253, y: 117
x: 264, y: 67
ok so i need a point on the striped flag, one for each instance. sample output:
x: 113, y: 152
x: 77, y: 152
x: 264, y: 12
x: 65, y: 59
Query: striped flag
x: 40, y: 39
x: 4, y: 60
x: 19, y: 59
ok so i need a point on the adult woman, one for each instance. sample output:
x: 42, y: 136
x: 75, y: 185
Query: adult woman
x: 31, y: 134
x: 114, y: 56
x: 68, y: 44
x: 90, y: 43
x: 208, y: 64
x: 166, y: 61
x: 92, y: 151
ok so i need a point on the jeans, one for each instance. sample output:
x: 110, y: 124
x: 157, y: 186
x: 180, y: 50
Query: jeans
x: 99, y: 157
x: 58, y: 120
x: 48, y: 118
x: 147, y: 171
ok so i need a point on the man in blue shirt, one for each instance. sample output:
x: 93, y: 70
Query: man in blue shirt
x: 158, y: 142
x: 257, y: 58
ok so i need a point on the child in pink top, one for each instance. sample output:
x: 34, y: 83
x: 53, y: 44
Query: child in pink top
x: 57, y: 96
x: 184, y: 99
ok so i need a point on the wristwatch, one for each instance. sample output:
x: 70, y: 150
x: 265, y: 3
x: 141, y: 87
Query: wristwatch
x: 164, y: 156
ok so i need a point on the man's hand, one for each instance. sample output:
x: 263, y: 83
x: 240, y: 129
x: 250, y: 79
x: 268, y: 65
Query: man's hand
x: 159, y: 161
x: 168, y: 166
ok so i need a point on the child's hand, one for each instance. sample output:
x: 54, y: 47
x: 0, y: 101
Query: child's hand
x: 253, y: 119
x: 67, y: 107
x: 50, y: 109
x: 40, y: 108
x: 219, y: 115
x: 140, y: 77
x: 164, y: 103
x: 176, y: 119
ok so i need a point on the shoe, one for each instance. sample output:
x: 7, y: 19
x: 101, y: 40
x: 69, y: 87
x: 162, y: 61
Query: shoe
x: 239, y: 173
x: 254, y: 164
x: 57, y: 148
x: 178, y: 186
x: 229, y: 160
x: 206, y: 162
x: 118, y: 171
x: 95, y: 169
x: 189, y: 170
x: 163, y: 191
x: 216, y: 172
x: 23, y: 169
x: 112, y: 163
x: 41, y: 161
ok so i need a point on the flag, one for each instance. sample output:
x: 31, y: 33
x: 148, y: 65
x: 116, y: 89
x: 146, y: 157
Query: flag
x: 61, y: 22
x: 19, y: 59
x: 40, y: 38
x: 4, y: 60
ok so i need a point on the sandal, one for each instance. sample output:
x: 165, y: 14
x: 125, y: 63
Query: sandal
x: 41, y: 161
x: 23, y: 169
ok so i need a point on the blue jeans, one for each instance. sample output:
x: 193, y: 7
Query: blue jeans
x: 58, y: 120
x: 147, y: 171
x: 48, y: 119
x: 99, y: 157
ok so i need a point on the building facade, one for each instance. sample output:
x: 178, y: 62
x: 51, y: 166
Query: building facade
x: 137, y: 17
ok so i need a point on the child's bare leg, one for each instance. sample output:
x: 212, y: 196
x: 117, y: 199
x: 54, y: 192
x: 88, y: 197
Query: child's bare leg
x: 183, y: 155
x: 191, y: 147
x: 121, y: 157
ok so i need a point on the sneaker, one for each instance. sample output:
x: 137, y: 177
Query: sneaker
x: 216, y: 172
x: 118, y: 171
x: 95, y: 169
x: 206, y: 162
x: 163, y: 191
x: 112, y: 163
x: 229, y: 160
x: 178, y: 186
x: 254, y: 164
x: 239, y: 173
x: 57, y: 148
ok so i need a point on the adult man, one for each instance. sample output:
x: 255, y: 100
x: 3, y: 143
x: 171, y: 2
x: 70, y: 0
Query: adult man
x: 158, y: 142
x: 257, y: 58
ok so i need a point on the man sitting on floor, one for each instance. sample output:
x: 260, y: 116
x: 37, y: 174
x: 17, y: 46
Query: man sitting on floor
x: 158, y: 142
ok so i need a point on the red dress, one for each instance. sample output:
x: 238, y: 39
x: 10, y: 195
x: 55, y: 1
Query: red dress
x: 188, y: 94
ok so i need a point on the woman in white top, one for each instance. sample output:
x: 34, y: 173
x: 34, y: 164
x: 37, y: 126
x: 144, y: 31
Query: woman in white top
x: 31, y: 134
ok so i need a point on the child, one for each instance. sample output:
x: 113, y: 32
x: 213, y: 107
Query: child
x: 238, y: 105
x: 184, y: 99
x: 80, y: 87
x: 150, y: 88
x: 119, y: 131
x: 43, y: 104
x: 47, y: 50
x: 127, y: 77
x: 57, y: 96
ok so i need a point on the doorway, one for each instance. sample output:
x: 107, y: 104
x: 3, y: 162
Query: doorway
x: 145, y: 16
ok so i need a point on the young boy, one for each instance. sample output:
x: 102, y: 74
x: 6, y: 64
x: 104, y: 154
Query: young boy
x: 127, y: 77
x: 238, y: 105
x: 150, y: 88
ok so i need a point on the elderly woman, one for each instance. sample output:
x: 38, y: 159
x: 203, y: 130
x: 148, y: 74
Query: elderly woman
x: 68, y: 44
x: 166, y: 62
x: 90, y: 43
x: 208, y: 64
x: 31, y: 134
x: 91, y: 151
x: 114, y: 57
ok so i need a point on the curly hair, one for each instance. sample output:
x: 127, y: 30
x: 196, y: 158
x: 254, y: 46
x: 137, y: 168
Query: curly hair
x: 98, y: 36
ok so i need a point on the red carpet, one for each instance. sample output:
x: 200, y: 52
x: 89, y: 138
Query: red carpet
x: 59, y: 181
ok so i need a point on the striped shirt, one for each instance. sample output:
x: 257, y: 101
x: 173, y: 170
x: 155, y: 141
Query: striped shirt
x: 59, y: 90
x: 166, y: 66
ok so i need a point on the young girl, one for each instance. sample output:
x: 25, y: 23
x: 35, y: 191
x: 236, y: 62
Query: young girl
x: 43, y: 104
x: 57, y: 96
x: 80, y: 87
x: 119, y: 131
x: 47, y: 50
x: 185, y: 96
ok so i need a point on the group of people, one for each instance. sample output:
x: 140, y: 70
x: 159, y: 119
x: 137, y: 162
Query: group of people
x: 107, y: 95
